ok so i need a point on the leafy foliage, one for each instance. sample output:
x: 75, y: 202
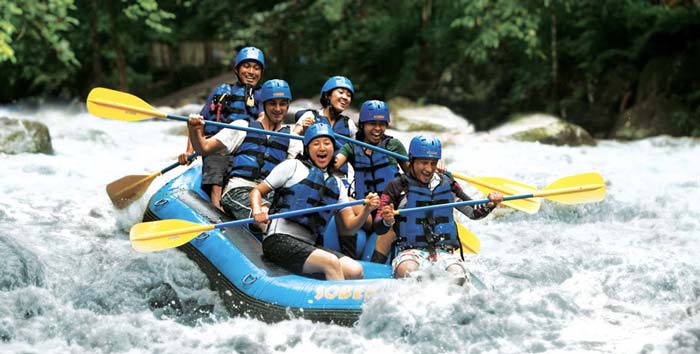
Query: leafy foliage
x: 488, y: 59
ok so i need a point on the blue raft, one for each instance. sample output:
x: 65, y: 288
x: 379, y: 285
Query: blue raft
x: 249, y: 284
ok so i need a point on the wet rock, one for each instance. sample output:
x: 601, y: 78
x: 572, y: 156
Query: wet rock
x: 163, y: 300
x: 410, y: 116
x: 650, y: 117
x: 20, y: 136
x: 21, y: 268
x: 546, y: 130
x: 6, y: 331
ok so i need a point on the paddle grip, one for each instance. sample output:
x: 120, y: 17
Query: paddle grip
x: 191, y: 157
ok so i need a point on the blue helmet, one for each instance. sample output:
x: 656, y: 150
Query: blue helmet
x: 275, y: 89
x: 251, y: 54
x: 374, y: 111
x: 317, y: 130
x: 425, y: 146
x: 337, y: 82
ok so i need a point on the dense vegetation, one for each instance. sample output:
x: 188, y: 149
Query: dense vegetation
x: 585, y: 61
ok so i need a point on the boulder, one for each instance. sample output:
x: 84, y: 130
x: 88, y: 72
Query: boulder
x: 409, y: 116
x: 24, y: 136
x: 544, y: 129
x: 647, y: 118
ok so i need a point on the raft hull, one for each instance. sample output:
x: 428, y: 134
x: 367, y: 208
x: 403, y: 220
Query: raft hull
x: 249, y: 284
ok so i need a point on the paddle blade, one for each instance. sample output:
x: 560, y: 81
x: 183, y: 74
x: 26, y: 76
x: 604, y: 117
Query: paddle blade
x: 119, y: 105
x: 576, y: 189
x: 163, y: 234
x: 507, y: 187
x: 128, y: 189
x: 470, y: 243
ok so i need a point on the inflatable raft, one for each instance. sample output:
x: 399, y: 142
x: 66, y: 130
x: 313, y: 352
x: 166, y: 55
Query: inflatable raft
x: 249, y: 284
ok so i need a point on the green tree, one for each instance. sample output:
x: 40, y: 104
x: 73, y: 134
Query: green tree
x: 35, y: 53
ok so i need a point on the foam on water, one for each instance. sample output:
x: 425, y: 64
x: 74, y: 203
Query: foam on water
x: 620, y: 276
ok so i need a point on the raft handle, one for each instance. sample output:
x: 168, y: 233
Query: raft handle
x: 249, y: 279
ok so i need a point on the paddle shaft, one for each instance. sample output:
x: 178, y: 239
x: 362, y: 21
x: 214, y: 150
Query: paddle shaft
x: 125, y: 109
x: 246, y: 129
x: 202, y: 228
x: 292, y: 213
x: 543, y: 193
x: 191, y: 157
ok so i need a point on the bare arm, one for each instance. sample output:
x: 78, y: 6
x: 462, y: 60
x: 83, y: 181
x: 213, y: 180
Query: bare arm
x: 182, y: 158
x: 340, y: 159
x: 203, y: 146
x: 352, y: 221
x: 256, y: 194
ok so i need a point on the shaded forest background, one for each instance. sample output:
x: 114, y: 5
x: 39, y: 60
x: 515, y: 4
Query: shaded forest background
x: 593, y: 63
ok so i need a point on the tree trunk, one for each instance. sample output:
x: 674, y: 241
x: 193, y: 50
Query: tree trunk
x: 423, y: 72
x: 555, y: 61
x: 118, y: 50
x: 97, y: 72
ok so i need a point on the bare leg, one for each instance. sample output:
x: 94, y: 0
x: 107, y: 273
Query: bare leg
x: 215, y: 196
x: 351, y: 268
x: 458, y: 274
x: 384, y: 242
x: 324, y: 262
x: 405, y: 268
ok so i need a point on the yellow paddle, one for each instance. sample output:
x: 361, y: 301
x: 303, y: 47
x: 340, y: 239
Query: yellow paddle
x: 506, y: 187
x: 470, y: 243
x: 112, y: 104
x: 126, y: 190
x: 163, y: 234
x: 576, y: 189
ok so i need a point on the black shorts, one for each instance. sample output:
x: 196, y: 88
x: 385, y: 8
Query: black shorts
x: 290, y: 252
x: 215, y: 170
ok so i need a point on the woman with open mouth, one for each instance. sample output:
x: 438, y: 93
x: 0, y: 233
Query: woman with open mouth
x: 305, y: 183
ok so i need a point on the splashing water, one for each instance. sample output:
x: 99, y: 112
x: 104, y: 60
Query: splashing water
x: 619, y: 276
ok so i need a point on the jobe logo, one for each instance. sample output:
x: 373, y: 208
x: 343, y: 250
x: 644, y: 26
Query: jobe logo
x: 345, y: 292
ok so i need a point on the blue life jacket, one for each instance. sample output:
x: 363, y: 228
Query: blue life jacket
x: 259, y: 153
x: 341, y: 127
x: 228, y: 103
x: 373, y: 172
x: 416, y: 230
x: 312, y: 191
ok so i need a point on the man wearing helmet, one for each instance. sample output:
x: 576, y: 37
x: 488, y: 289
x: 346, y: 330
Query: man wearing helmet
x: 424, y: 238
x: 336, y: 96
x: 254, y: 154
x: 229, y: 103
x: 305, y: 183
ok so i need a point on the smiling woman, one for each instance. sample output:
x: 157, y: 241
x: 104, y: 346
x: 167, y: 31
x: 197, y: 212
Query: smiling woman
x: 300, y: 184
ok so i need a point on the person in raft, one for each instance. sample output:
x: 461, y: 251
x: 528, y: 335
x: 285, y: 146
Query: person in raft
x: 229, y: 103
x: 373, y: 170
x: 424, y: 238
x: 336, y: 96
x: 304, y: 183
x: 254, y: 154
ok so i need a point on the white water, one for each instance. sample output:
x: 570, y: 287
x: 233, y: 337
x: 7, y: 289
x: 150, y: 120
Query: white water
x: 620, y: 276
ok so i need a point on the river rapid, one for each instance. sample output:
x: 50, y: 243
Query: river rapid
x: 618, y: 276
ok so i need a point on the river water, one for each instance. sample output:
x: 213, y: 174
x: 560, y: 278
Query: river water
x: 619, y: 276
